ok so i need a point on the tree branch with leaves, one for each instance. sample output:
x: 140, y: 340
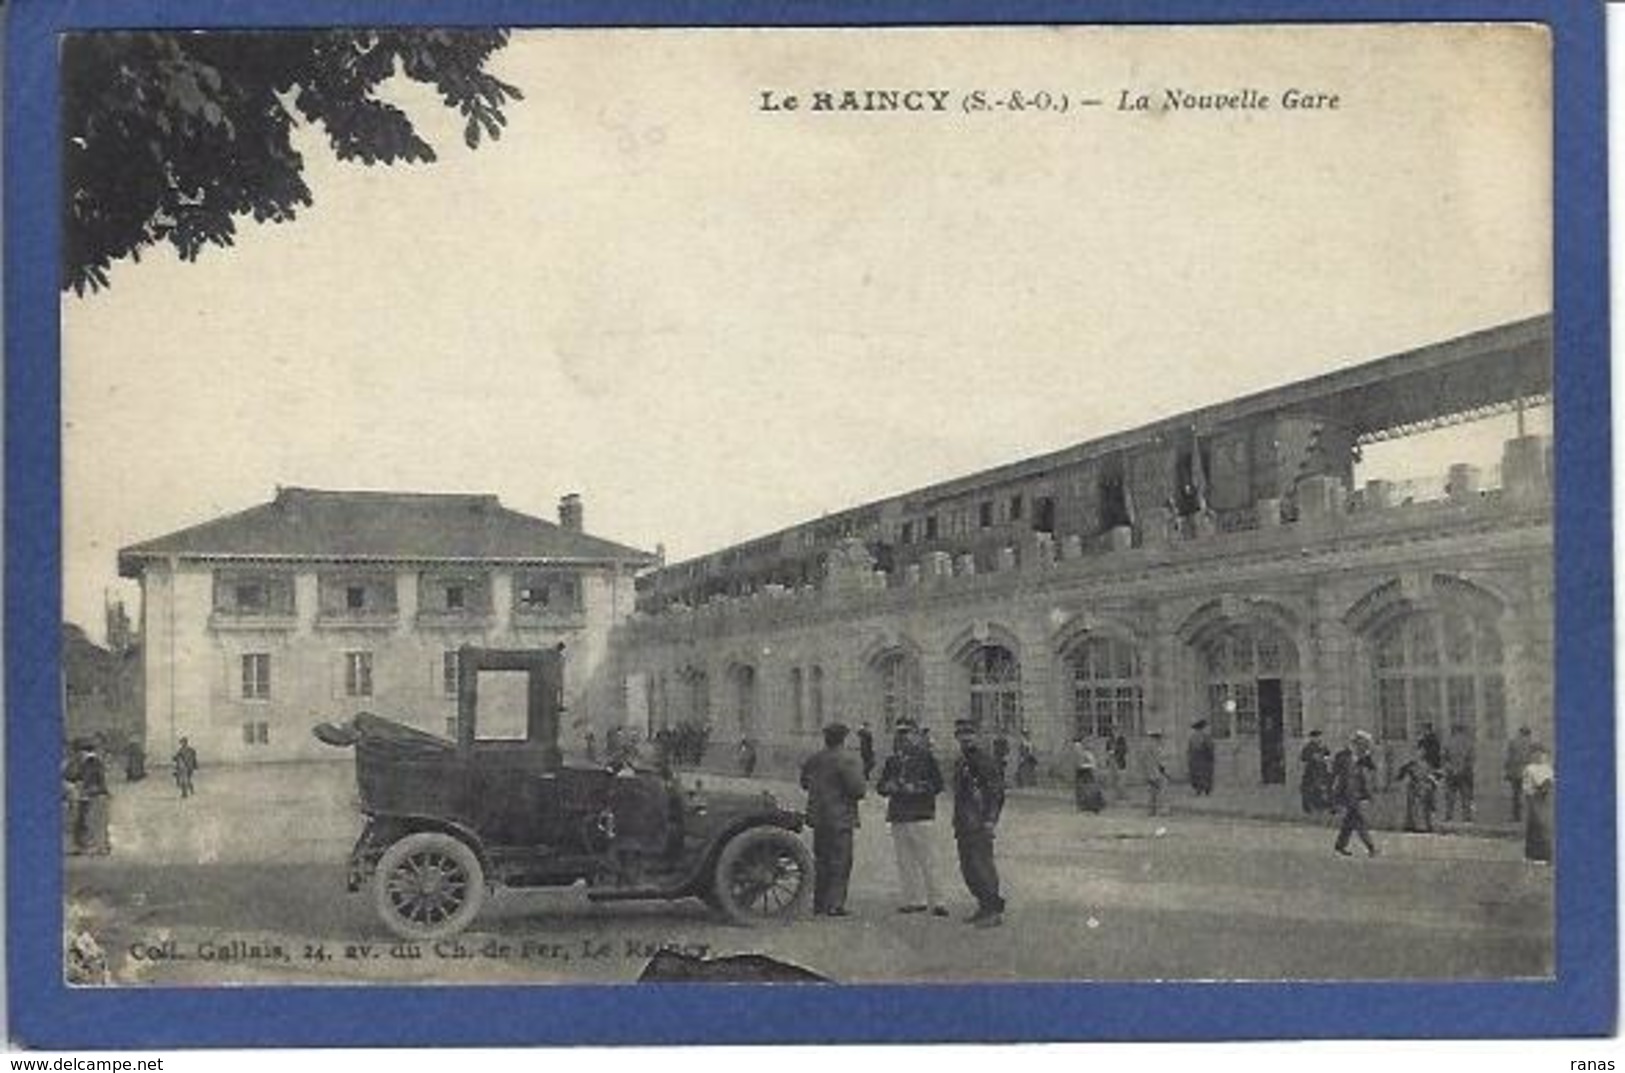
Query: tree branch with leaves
x: 173, y: 137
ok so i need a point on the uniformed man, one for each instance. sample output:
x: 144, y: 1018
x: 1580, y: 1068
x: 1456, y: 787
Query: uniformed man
x: 833, y: 779
x: 978, y: 801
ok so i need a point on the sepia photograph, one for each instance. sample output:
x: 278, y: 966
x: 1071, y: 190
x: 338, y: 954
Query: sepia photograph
x: 910, y: 505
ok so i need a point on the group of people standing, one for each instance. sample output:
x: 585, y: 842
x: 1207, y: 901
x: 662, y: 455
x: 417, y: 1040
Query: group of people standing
x: 911, y: 780
x: 88, y: 799
x: 1348, y: 781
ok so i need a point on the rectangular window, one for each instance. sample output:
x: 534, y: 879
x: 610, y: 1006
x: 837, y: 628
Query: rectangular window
x: 358, y: 674
x: 931, y: 527
x: 817, y: 696
x: 448, y: 674
x: 454, y: 598
x: 798, y: 710
x: 548, y: 594
x: 355, y: 597
x: 1015, y: 508
x: 256, y: 676
x: 256, y: 733
x: 984, y: 515
x: 250, y: 596
x: 1044, y: 515
x: 908, y: 533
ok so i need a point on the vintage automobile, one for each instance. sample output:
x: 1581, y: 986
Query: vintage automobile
x: 446, y: 821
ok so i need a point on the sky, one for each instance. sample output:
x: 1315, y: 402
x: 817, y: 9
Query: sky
x: 714, y: 321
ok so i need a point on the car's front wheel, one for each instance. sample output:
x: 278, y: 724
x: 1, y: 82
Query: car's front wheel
x: 764, y: 875
x: 428, y: 885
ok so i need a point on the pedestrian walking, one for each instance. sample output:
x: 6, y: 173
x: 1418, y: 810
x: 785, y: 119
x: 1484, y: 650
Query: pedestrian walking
x: 1421, y: 790
x: 1200, y: 759
x: 185, y: 761
x: 910, y: 781
x: 747, y: 757
x: 833, y: 779
x: 1354, y: 772
x: 1086, y: 792
x: 97, y: 802
x: 73, y: 801
x: 978, y: 803
x: 1153, y: 771
x: 1517, y: 757
x: 1539, y: 781
x: 1460, y: 760
x: 1315, y: 775
x: 866, y: 750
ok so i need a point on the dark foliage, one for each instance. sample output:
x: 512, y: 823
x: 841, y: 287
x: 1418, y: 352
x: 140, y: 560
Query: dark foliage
x: 170, y: 137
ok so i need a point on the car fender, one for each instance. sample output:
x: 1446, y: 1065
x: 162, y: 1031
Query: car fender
x: 781, y: 818
x: 384, y: 830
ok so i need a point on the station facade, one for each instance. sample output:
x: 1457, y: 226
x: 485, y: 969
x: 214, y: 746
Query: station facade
x: 1217, y: 565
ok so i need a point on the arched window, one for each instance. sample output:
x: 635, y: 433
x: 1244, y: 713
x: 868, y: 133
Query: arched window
x: 1108, y: 687
x: 995, y: 688
x: 1255, y: 666
x: 901, y: 685
x: 1442, y: 668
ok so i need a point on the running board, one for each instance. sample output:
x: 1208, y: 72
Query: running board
x: 630, y: 894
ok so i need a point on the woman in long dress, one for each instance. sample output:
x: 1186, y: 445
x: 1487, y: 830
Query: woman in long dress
x: 1539, y: 781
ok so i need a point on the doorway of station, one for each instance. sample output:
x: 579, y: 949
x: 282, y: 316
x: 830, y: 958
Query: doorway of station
x: 1271, y: 732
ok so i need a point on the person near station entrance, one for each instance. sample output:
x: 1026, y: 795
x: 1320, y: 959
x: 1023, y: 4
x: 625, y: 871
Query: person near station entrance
x: 833, y: 779
x: 1086, y: 792
x: 910, y: 781
x: 866, y: 749
x: 1517, y: 757
x: 1315, y: 775
x: 1432, y: 749
x: 1117, y: 762
x: 1354, y: 774
x: 1539, y: 781
x: 1153, y: 771
x: 1200, y: 759
x: 1026, y: 759
x: 1460, y: 760
x: 747, y: 757
x: 185, y: 761
x: 978, y: 804
x: 97, y: 801
x: 1421, y: 791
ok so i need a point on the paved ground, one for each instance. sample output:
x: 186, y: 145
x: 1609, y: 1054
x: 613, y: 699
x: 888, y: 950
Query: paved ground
x: 245, y: 883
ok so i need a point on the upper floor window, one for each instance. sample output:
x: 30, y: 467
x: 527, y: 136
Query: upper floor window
x: 457, y: 594
x: 251, y: 593
x: 548, y: 593
x: 1015, y: 508
x: 448, y: 674
x: 349, y: 594
x: 985, y: 515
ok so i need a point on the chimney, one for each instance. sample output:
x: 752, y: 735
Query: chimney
x: 570, y: 512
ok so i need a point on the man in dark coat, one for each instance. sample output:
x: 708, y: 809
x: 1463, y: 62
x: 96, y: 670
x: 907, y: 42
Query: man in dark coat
x: 185, y: 767
x: 866, y: 750
x: 978, y: 802
x: 1432, y: 750
x: 97, y: 799
x: 834, y: 783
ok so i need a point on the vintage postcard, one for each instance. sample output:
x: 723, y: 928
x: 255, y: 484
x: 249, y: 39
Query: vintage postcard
x: 896, y: 506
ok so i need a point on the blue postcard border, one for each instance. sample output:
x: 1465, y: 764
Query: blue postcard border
x: 43, y: 1013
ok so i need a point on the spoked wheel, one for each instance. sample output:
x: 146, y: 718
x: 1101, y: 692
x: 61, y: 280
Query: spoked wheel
x: 428, y: 886
x: 764, y: 876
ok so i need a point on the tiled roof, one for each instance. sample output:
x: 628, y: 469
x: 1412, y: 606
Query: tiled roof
x: 307, y: 523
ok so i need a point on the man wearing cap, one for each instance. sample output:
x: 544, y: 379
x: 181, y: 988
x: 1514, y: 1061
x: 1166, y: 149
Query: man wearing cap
x: 978, y: 801
x: 910, y: 781
x: 833, y: 779
x: 1354, y: 774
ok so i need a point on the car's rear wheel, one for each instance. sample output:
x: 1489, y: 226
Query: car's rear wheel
x: 428, y: 885
x: 764, y: 875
